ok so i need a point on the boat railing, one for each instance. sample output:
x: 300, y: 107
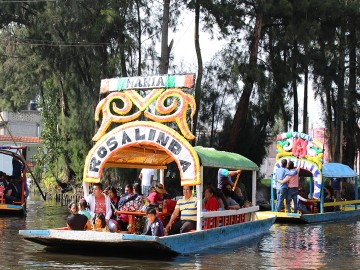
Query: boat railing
x: 342, y: 203
x: 214, y: 219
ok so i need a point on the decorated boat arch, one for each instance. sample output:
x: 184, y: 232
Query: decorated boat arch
x: 143, y: 124
x: 304, y: 151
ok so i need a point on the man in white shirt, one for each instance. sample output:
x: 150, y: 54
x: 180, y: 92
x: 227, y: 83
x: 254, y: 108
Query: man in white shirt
x: 146, y: 176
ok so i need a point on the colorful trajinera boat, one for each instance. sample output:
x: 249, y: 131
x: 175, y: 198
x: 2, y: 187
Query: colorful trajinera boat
x: 13, y: 164
x: 151, y: 144
x: 307, y: 153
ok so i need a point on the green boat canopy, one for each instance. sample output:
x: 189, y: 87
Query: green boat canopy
x: 210, y: 157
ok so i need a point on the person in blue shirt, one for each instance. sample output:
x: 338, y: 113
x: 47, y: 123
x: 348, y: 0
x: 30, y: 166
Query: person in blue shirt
x: 281, y: 189
x: 155, y: 226
x: 224, y: 177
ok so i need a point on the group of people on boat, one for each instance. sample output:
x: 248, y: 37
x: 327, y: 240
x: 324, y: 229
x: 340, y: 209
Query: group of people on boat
x: 105, y: 210
x: 10, y: 188
x: 287, y: 187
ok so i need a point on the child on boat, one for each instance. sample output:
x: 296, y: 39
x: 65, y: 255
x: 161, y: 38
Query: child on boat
x: 83, y: 206
x: 155, y: 226
x: 100, y: 223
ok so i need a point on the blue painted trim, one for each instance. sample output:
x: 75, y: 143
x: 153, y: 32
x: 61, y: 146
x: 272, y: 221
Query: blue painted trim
x: 331, y: 216
x: 34, y: 233
x: 12, y: 206
x: 294, y: 215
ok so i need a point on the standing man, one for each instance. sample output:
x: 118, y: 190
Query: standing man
x: 187, y: 206
x: 224, y: 177
x: 337, y: 186
x: 146, y: 177
x: 281, y: 189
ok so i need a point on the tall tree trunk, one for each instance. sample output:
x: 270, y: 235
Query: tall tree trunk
x: 165, y: 49
x: 200, y: 67
x: 294, y: 87
x: 340, y: 81
x: 352, y: 128
x: 239, y: 121
x: 327, y: 80
x: 305, y: 104
x: 139, y: 37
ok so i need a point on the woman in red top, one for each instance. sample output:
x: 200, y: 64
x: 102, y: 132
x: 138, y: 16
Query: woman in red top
x: 210, y: 202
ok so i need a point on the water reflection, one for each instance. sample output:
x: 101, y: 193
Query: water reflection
x: 330, y: 246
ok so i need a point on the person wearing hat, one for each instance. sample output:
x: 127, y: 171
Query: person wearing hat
x: 158, y: 194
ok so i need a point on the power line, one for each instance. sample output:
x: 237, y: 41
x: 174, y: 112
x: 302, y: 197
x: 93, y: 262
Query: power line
x: 56, y: 45
x: 26, y: 1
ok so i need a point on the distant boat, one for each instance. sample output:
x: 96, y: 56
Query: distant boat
x: 302, y: 148
x: 14, y: 164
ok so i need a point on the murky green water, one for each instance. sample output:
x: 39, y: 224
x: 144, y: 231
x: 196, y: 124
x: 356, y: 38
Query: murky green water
x: 324, y: 246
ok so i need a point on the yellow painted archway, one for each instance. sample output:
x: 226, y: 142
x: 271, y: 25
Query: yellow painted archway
x: 143, y: 144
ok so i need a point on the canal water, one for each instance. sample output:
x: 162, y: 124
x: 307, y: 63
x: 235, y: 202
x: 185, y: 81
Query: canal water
x: 323, y: 246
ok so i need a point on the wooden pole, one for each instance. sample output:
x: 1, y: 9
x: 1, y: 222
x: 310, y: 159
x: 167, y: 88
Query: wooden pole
x: 236, y: 181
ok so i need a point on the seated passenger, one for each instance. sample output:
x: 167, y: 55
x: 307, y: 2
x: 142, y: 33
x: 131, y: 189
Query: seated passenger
x: 230, y: 202
x: 301, y: 206
x: 158, y: 194
x: 210, y: 202
x: 100, y: 223
x: 83, y: 209
x: 132, y: 204
x: 16, y: 187
x: 234, y: 195
x: 239, y: 196
x: 114, y: 200
x: 2, y: 178
x: 187, y: 206
x: 77, y: 221
x: 155, y: 226
x: 9, y: 187
x: 127, y: 196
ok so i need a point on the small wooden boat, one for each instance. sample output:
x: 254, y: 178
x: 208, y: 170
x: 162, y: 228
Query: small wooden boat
x: 296, y: 146
x: 13, y: 163
x: 151, y: 144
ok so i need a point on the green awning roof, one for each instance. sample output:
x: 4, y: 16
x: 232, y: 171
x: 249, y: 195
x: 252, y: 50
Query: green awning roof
x: 209, y: 157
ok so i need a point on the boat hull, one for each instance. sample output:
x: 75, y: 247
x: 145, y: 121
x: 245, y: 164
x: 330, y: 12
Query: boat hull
x: 124, y: 243
x: 282, y: 217
x: 11, y: 209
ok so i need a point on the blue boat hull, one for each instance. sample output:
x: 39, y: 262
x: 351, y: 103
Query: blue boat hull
x: 125, y: 243
x: 282, y: 217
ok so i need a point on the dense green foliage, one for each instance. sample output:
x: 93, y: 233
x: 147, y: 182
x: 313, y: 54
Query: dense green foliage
x: 58, y: 51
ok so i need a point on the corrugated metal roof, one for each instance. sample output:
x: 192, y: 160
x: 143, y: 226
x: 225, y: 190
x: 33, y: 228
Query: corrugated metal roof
x: 337, y: 170
x: 220, y: 159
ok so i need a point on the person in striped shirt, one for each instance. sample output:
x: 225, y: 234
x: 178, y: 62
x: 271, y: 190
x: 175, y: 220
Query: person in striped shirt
x: 187, y: 207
